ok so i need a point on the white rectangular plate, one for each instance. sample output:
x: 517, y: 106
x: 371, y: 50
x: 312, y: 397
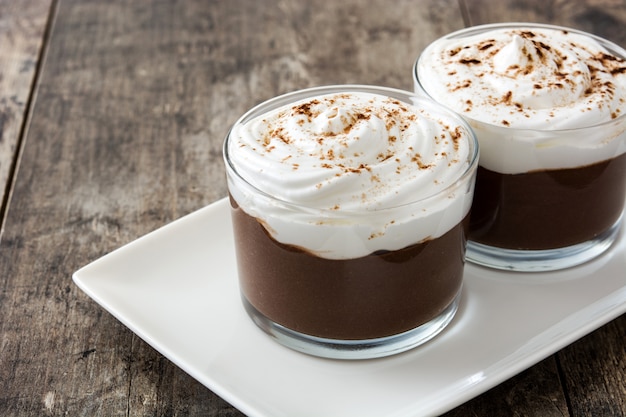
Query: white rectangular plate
x: 177, y: 289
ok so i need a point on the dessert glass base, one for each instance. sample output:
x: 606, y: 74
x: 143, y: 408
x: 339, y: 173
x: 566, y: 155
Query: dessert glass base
x: 354, y: 349
x: 541, y: 260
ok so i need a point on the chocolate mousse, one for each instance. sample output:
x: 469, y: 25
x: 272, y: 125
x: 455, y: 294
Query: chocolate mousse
x: 569, y: 206
x: 350, y: 210
x: 382, y: 294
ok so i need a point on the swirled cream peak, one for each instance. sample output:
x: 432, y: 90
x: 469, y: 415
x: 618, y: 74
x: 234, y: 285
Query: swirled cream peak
x: 343, y: 175
x: 531, y: 78
x: 350, y: 151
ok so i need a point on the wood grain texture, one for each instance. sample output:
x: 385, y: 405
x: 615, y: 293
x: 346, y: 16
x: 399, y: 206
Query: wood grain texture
x: 133, y: 101
x: 605, y: 18
x: 22, y: 27
x: 594, y: 371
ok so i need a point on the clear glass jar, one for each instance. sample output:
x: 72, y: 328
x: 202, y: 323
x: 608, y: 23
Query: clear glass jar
x: 359, y: 283
x: 545, y: 199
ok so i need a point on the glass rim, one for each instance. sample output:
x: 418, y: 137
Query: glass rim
x: 293, y: 96
x: 470, y: 30
x: 521, y: 24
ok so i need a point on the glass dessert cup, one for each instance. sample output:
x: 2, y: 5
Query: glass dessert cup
x: 559, y: 200
x: 382, y: 303
x: 550, y: 219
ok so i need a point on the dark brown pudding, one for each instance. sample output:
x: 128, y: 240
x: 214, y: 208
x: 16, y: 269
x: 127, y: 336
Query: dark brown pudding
x: 374, y: 296
x: 547, y: 209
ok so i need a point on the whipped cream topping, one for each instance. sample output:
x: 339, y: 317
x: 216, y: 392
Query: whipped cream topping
x: 530, y: 77
x: 346, y: 169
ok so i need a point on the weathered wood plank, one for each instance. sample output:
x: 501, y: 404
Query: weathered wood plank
x: 594, y: 371
x: 132, y: 105
x: 604, y: 18
x: 131, y: 109
x: 22, y: 28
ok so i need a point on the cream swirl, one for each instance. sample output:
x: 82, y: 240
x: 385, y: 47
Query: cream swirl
x: 348, y: 160
x: 350, y: 151
x: 516, y: 83
x: 531, y: 78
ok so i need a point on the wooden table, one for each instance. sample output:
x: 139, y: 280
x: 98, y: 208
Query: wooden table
x: 112, y: 115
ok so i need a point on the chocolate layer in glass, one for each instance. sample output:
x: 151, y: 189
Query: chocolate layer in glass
x: 375, y: 296
x: 568, y: 206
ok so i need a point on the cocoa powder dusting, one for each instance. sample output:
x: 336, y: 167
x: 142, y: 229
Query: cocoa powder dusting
x: 469, y: 61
